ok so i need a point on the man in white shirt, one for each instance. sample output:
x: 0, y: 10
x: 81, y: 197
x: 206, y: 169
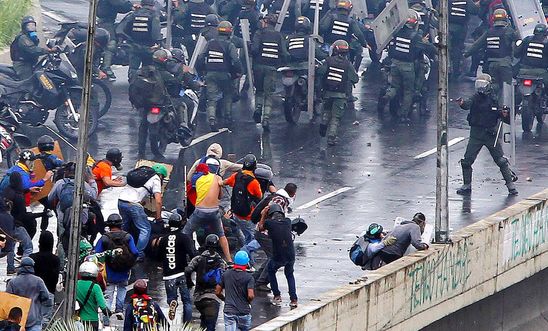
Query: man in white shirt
x: 132, y: 210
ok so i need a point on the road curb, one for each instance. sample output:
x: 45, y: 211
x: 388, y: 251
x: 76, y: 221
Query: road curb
x: 36, y: 12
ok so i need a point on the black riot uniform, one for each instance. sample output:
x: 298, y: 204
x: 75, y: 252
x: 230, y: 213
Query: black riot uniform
x: 143, y: 29
x: 293, y: 11
x: 484, y: 119
x: 24, y: 50
x: 249, y: 12
x: 191, y: 17
x: 460, y: 12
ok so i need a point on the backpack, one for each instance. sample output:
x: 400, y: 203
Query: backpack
x: 139, y: 176
x: 124, y: 261
x: 147, y: 88
x: 209, y: 271
x: 358, y: 252
x: 240, y: 201
x: 144, y: 314
x: 66, y: 196
x: 5, y: 182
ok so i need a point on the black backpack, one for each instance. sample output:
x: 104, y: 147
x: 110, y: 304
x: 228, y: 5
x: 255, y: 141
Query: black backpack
x: 240, y: 202
x: 139, y: 176
x: 147, y: 88
x: 114, y: 240
x: 209, y: 271
x: 66, y: 195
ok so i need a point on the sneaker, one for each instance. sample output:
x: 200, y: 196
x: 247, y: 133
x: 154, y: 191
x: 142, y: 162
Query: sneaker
x: 172, y: 309
x: 293, y: 304
x: 276, y: 301
x: 262, y: 288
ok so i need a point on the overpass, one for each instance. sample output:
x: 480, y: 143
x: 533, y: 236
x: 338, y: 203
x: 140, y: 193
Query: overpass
x: 491, y: 277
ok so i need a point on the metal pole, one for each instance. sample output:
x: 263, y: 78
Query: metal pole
x: 312, y: 61
x: 81, y: 158
x: 442, y: 170
x: 168, y: 28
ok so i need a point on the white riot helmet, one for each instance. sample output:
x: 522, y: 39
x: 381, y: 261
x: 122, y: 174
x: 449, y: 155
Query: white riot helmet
x: 483, y: 83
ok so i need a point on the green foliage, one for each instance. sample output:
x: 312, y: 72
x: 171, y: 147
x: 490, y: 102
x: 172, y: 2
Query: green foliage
x: 11, y: 12
x: 61, y: 325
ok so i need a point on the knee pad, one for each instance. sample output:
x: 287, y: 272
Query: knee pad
x: 502, y: 162
x: 323, y: 130
x: 465, y: 164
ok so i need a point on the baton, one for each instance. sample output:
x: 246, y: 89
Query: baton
x: 498, y: 133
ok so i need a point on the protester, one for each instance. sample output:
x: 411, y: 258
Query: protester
x: 103, y: 170
x: 118, y: 267
x: 89, y: 296
x: 283, y: 252
x: 14, y: 320
x: 238, y: 285
x: 406, y: 234
x: 27, y: 285
x: 143, y: 313
x: 46, y: 264
x: 209, y: 267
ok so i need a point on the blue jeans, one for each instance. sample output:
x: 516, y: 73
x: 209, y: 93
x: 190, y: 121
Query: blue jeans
x: 237, y: 322
x: 247, y: 227
x: 120, y: 298
x: 273, y: 267
x: 34, y: 328
x: 22, y: 235
x: 135, y: 214
x: 208, y: 220
x: 179, y: 283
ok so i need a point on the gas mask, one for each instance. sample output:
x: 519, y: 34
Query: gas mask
x: 483, y: 84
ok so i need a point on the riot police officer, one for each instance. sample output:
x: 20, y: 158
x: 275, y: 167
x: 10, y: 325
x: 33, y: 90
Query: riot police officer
x: 460, y: 12
x: 24, y: 50
x: 269, y: 52
x: 143, y: 29
x: 293, y: 11
x: 428, y: 16
x: 297, y: 43
x: 107, y: 10
x: 191, y: 17
x: 406, y: 48
x: 484, y: 119
x: 532, y: 53
x: 222, y: 65
x: 498, y: 43
x: 335, y: 77
x: 309, y: 8
x: 247, y: 10
x: 210, y: 31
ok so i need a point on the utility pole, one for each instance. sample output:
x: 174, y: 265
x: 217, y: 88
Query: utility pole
x: 442, y: 168
x: 81, y: 160
x: 168, y: 27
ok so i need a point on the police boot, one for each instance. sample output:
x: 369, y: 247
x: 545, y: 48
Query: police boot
x: 213, y: 124
x: 332, y: 140
x: 466, y: 188
x: 258, y: 114
x: 323, y: 130
x: 266, y: 124
x: 509, y: 177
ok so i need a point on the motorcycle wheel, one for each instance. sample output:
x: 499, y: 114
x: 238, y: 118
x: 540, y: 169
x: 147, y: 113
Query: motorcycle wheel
x: 104, y: 96
x: 527, y: 116
x: 292, y: 112
x: 68, y: 126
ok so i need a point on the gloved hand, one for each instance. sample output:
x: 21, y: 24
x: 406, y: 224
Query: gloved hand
x: 389, y: 240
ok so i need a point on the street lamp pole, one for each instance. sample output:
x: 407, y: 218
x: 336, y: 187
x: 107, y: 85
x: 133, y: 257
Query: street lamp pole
x: 442, y: 169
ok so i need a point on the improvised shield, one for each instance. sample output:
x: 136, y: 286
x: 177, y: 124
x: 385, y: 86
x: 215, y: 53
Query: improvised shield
x: 282, y: 15
x: 244, y: 25
x: 359, y: 9
x: 312, y: 63
x: 526, y: 14
x: 199, y: 49
x: 389, y: 22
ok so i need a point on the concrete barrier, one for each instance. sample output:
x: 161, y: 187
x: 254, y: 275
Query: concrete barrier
x: 417, y: 290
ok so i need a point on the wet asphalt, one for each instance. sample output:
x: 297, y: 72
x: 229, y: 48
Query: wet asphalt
x: 374, y: 162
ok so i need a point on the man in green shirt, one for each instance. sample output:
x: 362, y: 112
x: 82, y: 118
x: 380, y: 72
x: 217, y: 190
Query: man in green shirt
x: 89, y: 296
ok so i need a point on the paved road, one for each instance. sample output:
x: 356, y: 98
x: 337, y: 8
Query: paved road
x: 374, y: 165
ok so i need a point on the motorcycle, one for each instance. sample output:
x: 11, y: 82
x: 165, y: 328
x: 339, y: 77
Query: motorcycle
x: 52, y: 86
x: 164, y: 127
x: 11, y: 142
x: 534, y: 101
x: 295, y: 82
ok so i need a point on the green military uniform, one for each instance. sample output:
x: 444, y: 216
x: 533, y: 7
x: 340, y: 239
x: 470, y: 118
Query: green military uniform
x: 404, y: 50
x: 221, y: 63
x: 335, y: 77
x: 24, y: 52
x: 484, y: 118
x: 498, y: 43
x: 107, y: 10
x: 337, y: 25
x: 269, y: 52
x: 460, y: 12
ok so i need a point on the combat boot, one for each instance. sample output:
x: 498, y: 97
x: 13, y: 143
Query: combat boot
x: 258, y: 114
x: 465, y: 189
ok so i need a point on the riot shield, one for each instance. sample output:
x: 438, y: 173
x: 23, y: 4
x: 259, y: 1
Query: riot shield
x: 200, y: 46
x: 389, y: 22
x: 508, y: 137
x: 282, y: 14
x: 359, y: 9
x: 312, y: 63
x: 246, y: 36
x: 525, y: 15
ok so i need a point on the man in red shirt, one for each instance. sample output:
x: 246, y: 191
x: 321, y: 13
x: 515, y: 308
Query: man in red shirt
x: 103, y: 170
x: 246, y: 193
